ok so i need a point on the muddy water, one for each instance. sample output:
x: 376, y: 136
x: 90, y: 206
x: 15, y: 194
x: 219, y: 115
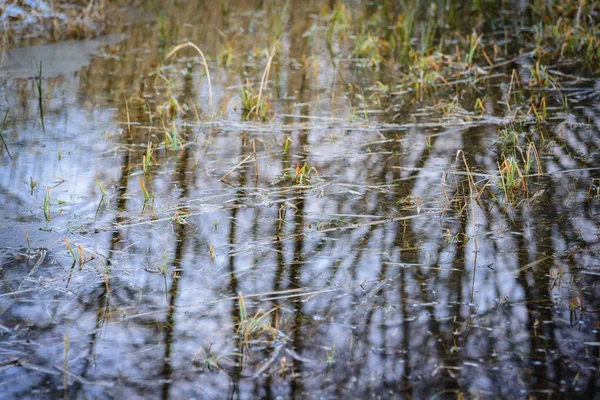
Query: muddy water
x: 383, y: 276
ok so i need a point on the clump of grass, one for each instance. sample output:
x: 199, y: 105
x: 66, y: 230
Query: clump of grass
x: 516, y: 164
x: 508, y: 138
x: 511, y: 177
x: 299, y: 175
x: 258, y: 106
x: 303, y: 173
x: 569, y: 30
x: 251, y: 325
x: 253, y: 107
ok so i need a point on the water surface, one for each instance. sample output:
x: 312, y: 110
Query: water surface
x: 383, y: 275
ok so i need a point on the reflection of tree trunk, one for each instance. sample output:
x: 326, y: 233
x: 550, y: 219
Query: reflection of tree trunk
x: 236, y: 372
x: 400, y: 242
x: 542, y: 337
x: 406, y: 362
x: 233, y: 290
x: 278, y: 278
x: 295, y: 281
x: 121, y: 203
x: 455, y: 295
x: 180, y: 240
x: 102, y: 314
x: 544, y: 351
x: 103, y: 307
x: 167, y: 370
x: 362, y: 335
x: 530, y: 295
x: 405, y: 237
x: 297, y: 263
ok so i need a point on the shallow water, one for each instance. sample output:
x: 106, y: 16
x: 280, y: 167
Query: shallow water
x: 62, y: 58
x: 383, y: 276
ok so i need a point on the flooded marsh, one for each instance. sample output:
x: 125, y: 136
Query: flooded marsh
x: 301, y: 199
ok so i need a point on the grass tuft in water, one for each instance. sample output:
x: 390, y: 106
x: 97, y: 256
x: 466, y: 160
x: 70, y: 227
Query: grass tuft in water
x: 253, y: 107
x: 250, y: 325
x: 258, y: 106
